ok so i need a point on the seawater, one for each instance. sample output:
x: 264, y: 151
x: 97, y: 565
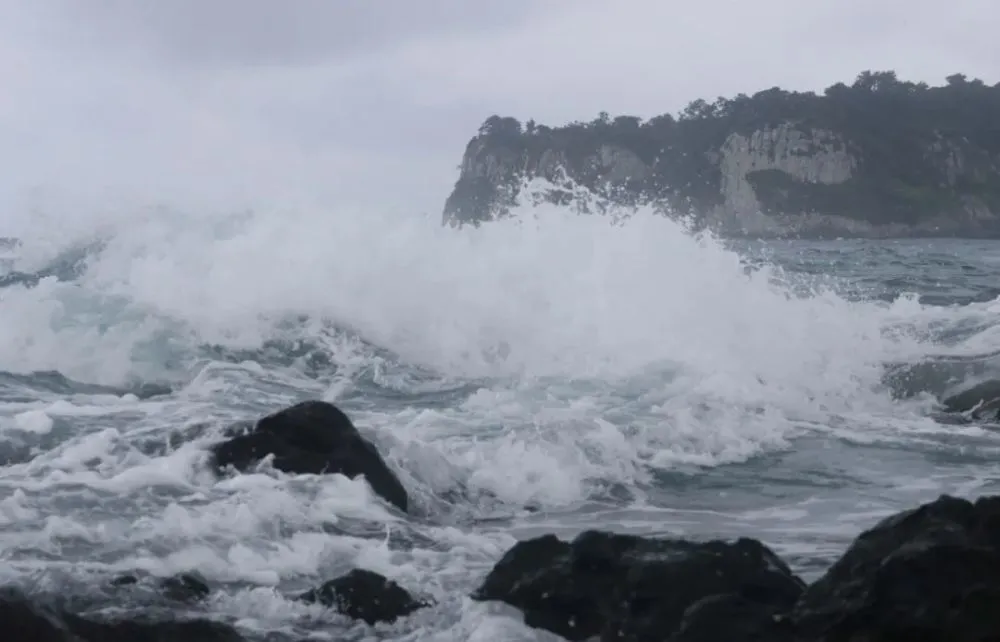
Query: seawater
x: 549, y: 372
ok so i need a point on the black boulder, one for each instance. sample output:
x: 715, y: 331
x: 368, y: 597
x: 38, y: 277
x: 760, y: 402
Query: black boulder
x: 312, y: 437
x: 931, y: 574
x: 629, y: 588
x: 365, y: 595
x: 23, y: 619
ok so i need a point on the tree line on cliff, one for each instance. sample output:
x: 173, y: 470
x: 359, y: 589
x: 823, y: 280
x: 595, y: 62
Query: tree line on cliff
x: 891, y: 124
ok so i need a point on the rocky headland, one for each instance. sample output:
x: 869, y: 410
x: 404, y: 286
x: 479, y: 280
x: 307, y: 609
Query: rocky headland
x: 880, y: 157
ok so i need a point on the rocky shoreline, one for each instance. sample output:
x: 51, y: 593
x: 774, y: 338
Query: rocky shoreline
x: 929, y: 574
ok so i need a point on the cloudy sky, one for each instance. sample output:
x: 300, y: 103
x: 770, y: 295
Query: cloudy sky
x: 220, y: 103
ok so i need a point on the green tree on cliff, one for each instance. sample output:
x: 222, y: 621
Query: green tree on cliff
x: 900, y: 131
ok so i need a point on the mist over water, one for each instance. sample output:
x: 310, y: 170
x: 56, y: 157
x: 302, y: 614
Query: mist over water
x: 563, y: 294
x: 547, y: 372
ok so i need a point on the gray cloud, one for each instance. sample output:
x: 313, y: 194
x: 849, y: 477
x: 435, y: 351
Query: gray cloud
x: 647, y: 57
x: 264, y: 32
x: 255, y: 101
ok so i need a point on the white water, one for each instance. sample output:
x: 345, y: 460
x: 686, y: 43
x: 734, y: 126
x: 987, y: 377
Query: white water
x: 565, y: 295
x: 607, y: 353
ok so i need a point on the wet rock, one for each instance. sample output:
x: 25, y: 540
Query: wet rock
x: 184, y: 587
x: 125, y: 580
x: 365, y: 595
x: 982, y: 401
x: 312, y: 437
x: 25, y: 620
x: 629, y: 588
x: 925, y: 575
x: 21, y: 619
x: 142, y: 631
x: 734, y: 617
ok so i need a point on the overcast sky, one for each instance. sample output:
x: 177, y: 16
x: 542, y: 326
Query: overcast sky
x: 242, y: 102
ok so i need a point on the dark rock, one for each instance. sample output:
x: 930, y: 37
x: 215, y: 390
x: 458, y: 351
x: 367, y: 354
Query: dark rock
x: 21, y: 620
x: 365, y: 595
x: 733, y: 617
x: 624, y: 587
x: 982, y: 401
x: 184, y: 587
x: 313, y: 437
x: 152, y: 631
x: 931, y: 574
x: 24, y: 620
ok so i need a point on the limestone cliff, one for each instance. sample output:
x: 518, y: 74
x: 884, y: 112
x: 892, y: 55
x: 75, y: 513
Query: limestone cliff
x: 881, y: 157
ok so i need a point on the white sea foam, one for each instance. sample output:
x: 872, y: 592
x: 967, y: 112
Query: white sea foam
x: 603, y: 357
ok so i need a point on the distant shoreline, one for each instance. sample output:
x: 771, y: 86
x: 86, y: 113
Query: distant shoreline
x: 880, y: 158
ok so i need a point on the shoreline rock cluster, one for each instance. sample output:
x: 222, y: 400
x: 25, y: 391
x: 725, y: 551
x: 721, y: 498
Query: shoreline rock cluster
x: 929, y: 574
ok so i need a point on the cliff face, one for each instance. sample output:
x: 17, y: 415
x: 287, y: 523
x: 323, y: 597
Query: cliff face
x: 879, y: 158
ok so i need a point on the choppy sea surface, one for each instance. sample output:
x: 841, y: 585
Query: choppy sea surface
x: 545, y: 373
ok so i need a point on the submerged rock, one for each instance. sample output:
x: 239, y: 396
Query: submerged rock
x: 21, y: 619
x: 925, y: 575
x: 362, y: 595
x: 24, y: 620
x: 200, y: 630
x: 624, y: 587
x: 365, y: 595
x: 982, y: 401
x: 184, y: 587
x: 312, y: 437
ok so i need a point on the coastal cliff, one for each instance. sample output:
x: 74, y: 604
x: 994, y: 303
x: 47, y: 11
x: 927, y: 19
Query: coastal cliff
x: 878, y: 158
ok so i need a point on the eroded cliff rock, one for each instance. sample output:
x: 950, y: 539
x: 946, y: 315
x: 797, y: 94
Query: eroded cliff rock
x: 879, y: 158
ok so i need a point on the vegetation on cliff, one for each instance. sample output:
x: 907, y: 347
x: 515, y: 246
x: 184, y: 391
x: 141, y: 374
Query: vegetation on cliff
x: 922, y: 150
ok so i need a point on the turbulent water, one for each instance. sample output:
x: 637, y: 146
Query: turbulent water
x: 537, y: 374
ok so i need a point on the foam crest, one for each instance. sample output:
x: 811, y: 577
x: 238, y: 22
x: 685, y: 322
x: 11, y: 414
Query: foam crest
x: 602, y: 345
x: 544, y: 293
